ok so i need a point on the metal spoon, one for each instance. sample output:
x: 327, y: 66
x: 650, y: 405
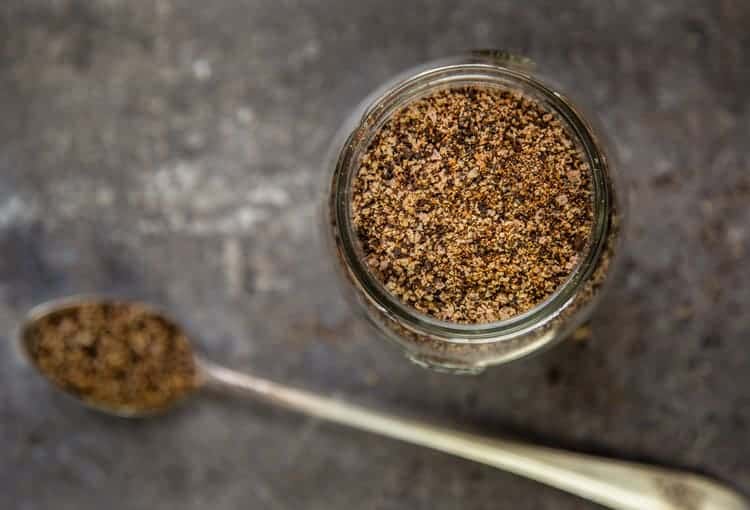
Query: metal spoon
x: 612, y: 483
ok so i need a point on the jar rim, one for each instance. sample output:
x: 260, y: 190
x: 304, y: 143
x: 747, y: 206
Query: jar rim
x: 377, y: 109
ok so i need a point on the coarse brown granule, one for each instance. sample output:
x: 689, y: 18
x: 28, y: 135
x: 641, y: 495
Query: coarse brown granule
x: 473, y: 204
x: 116, y: 355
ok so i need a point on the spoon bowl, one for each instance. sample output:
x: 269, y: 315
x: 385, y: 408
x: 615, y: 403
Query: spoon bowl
x: 27, y: 341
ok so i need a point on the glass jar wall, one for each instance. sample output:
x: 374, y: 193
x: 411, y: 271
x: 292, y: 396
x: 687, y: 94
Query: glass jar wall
x: 443, y: 345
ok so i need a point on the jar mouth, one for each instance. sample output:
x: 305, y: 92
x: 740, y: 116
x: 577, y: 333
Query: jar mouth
x: 378, y: 109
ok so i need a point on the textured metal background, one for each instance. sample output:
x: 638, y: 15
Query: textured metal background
x: 172, y: 149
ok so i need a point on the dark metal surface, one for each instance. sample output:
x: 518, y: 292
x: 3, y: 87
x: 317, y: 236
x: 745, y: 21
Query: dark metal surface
x: 171, y: 149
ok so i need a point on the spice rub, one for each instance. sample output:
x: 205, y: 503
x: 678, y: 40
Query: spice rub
x: 473, y: 204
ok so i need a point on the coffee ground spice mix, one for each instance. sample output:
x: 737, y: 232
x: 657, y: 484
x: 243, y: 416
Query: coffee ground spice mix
x: 119, y: 356
x: 472, y: 204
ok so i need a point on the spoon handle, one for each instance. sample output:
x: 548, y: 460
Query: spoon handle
x: 614, y: 484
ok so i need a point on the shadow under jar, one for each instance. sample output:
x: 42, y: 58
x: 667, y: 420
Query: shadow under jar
x: 454, y: 346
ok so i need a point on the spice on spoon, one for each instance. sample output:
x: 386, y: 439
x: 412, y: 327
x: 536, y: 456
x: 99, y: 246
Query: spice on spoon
x: 473, y: 204
x: 114, y: 355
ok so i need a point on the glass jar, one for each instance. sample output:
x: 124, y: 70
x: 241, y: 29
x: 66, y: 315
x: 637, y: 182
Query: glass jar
x: 448, y: 346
